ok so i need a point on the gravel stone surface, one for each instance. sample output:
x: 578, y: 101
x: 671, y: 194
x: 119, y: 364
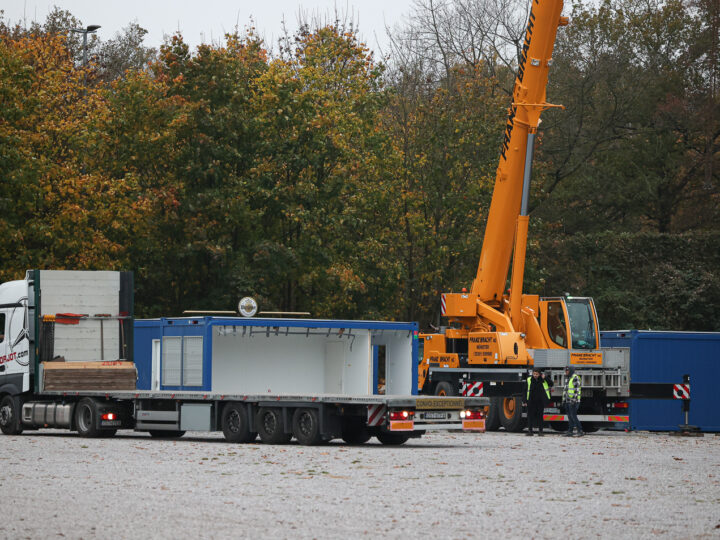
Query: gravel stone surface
x: 445, y: 485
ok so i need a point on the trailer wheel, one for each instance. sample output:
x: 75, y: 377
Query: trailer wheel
x: 86, y: 418
x: 165, y: 434
x: 492, y: 416
x: 391, y: 438
x: 235, y: 424
x: 444, y: 388
x: 355, y: 431
x: 269, y: 423
x: 10, y: 415
x: 306, y: 427
x: 510, y: 413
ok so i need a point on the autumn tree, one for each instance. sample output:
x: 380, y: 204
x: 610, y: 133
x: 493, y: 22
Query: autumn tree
x: 61, y: 211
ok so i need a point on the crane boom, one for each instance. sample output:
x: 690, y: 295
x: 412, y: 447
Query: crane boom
x: 523, y: 119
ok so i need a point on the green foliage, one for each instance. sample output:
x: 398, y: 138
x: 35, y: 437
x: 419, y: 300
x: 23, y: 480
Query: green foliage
x: 638, y: 146
x: 642, y: 280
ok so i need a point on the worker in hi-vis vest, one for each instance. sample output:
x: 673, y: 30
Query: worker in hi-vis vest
x: 537, y: 396
x: 571, y: 399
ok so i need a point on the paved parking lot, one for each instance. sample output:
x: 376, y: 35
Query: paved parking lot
x: 451, y: 485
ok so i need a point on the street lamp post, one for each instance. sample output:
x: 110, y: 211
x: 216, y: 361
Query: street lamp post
x: 91, y: 29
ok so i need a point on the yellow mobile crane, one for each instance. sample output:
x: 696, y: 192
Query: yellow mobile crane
x: 489, y: 330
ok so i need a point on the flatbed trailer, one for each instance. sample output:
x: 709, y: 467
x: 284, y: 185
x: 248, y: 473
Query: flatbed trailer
x: 392, y: 419
x: 76, y: 359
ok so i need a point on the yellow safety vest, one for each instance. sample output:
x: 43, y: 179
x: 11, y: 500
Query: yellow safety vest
x: 574, y: 388
x: 545, y: 386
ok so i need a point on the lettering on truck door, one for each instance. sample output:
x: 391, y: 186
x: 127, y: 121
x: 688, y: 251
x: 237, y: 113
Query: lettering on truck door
x: 14, y: 346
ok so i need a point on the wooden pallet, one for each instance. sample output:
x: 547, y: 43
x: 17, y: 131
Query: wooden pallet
x: 89, y: 376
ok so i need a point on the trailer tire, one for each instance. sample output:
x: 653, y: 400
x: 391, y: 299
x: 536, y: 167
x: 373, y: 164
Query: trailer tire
x: 510, y: 413
x: 235, y: 425
x: 86, y: 418
x: 166, y: 434
x: 306, y: 426
x: 10, y: 423
x: 269, y: 423
x: 444, y: 388
x: 355, y: 431
x: 392, y: 439
x: 492, y: 418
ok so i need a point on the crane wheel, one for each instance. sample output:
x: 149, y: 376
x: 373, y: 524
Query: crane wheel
x: 492, y: 417
x: 445, y: 388
x: 510, y: 413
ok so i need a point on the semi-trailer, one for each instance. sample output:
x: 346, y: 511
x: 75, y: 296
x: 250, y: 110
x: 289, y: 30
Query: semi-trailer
x: 73, y: 357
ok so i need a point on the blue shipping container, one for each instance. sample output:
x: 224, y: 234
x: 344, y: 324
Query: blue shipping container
x: 664, y: 357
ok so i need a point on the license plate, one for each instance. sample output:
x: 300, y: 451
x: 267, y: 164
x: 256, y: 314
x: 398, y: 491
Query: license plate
x: 110, y: 423
x: 551, y: 410
x: 435, y: 416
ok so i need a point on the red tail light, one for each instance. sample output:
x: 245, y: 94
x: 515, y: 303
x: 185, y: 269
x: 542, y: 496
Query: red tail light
x: 472, y: 415
x: 621, y: 405
x: 108, y: 416
x: 401, y: 415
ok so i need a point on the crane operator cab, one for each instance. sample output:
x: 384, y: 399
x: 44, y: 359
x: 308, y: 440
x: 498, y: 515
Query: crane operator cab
x: 569, y: 322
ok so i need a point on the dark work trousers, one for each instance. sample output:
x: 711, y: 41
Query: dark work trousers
x: 573, y: 422
x: 535, y: 415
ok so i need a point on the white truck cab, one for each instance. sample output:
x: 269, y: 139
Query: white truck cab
x: 14, y: 337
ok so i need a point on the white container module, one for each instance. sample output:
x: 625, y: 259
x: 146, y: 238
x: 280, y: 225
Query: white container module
x: 276, y: 356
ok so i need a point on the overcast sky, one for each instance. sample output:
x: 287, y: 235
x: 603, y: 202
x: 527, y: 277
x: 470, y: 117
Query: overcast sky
x: 208, y: 20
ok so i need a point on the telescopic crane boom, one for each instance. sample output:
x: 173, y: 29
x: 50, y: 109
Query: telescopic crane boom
x: 486, y: 326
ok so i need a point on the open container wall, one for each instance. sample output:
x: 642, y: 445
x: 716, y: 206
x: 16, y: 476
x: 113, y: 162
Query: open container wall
x: 276, y: 356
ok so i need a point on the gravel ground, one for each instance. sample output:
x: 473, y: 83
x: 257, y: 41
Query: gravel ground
x: 446, y: 485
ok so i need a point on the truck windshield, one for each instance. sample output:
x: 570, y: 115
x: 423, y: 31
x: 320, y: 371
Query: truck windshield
x: 582, y: 323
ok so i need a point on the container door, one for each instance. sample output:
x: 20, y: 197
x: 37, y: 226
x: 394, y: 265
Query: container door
x: 379, y: 369
x: 334, y: 367
x: 155, y: 381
